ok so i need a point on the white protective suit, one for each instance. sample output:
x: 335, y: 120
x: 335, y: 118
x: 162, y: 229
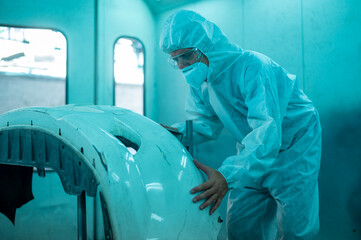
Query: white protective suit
x: 273, y: 180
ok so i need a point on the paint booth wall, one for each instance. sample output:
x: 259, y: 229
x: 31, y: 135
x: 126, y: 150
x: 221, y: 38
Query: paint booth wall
x: 121, y: 18
x: 320, y: 42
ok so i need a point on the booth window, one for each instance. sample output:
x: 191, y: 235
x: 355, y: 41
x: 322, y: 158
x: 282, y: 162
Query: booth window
x: 32, y: 68
x: 129, y: 74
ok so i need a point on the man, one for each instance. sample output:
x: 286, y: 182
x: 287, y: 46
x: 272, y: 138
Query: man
x: 273, y: 179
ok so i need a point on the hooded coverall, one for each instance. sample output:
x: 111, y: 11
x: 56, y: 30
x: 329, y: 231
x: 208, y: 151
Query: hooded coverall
x: 273, y: 179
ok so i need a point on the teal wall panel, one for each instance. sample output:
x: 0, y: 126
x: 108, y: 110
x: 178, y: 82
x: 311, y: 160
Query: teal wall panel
x: 274, y: 29
x: 332, y: 50
x: 332, y: 33
x: 120, y: 18
x: 169, y: 83
x: 75, y: 19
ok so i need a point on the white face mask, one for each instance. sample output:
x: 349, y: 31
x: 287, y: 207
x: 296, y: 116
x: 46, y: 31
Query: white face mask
x: 195, y: 74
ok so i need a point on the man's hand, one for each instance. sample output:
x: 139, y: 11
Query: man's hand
x: 214, y: 189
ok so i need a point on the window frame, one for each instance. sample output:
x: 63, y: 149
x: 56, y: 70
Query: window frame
x: 67, y: 51
x: 144, y: 68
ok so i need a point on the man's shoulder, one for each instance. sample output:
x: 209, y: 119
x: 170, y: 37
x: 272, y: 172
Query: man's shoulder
x: 256, y: 58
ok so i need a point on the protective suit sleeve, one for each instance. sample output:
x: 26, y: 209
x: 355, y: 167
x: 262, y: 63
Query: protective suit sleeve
x: 206, y: 124
x: 260, y: 147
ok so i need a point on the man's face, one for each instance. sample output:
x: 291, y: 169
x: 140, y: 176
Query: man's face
x: 179, y: 51
x: 182, y: 58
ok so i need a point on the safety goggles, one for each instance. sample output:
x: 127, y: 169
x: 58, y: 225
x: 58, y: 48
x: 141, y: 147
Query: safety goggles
x: 186, y: 58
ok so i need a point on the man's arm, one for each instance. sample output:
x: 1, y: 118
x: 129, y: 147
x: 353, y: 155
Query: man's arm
x: 206, y: 124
